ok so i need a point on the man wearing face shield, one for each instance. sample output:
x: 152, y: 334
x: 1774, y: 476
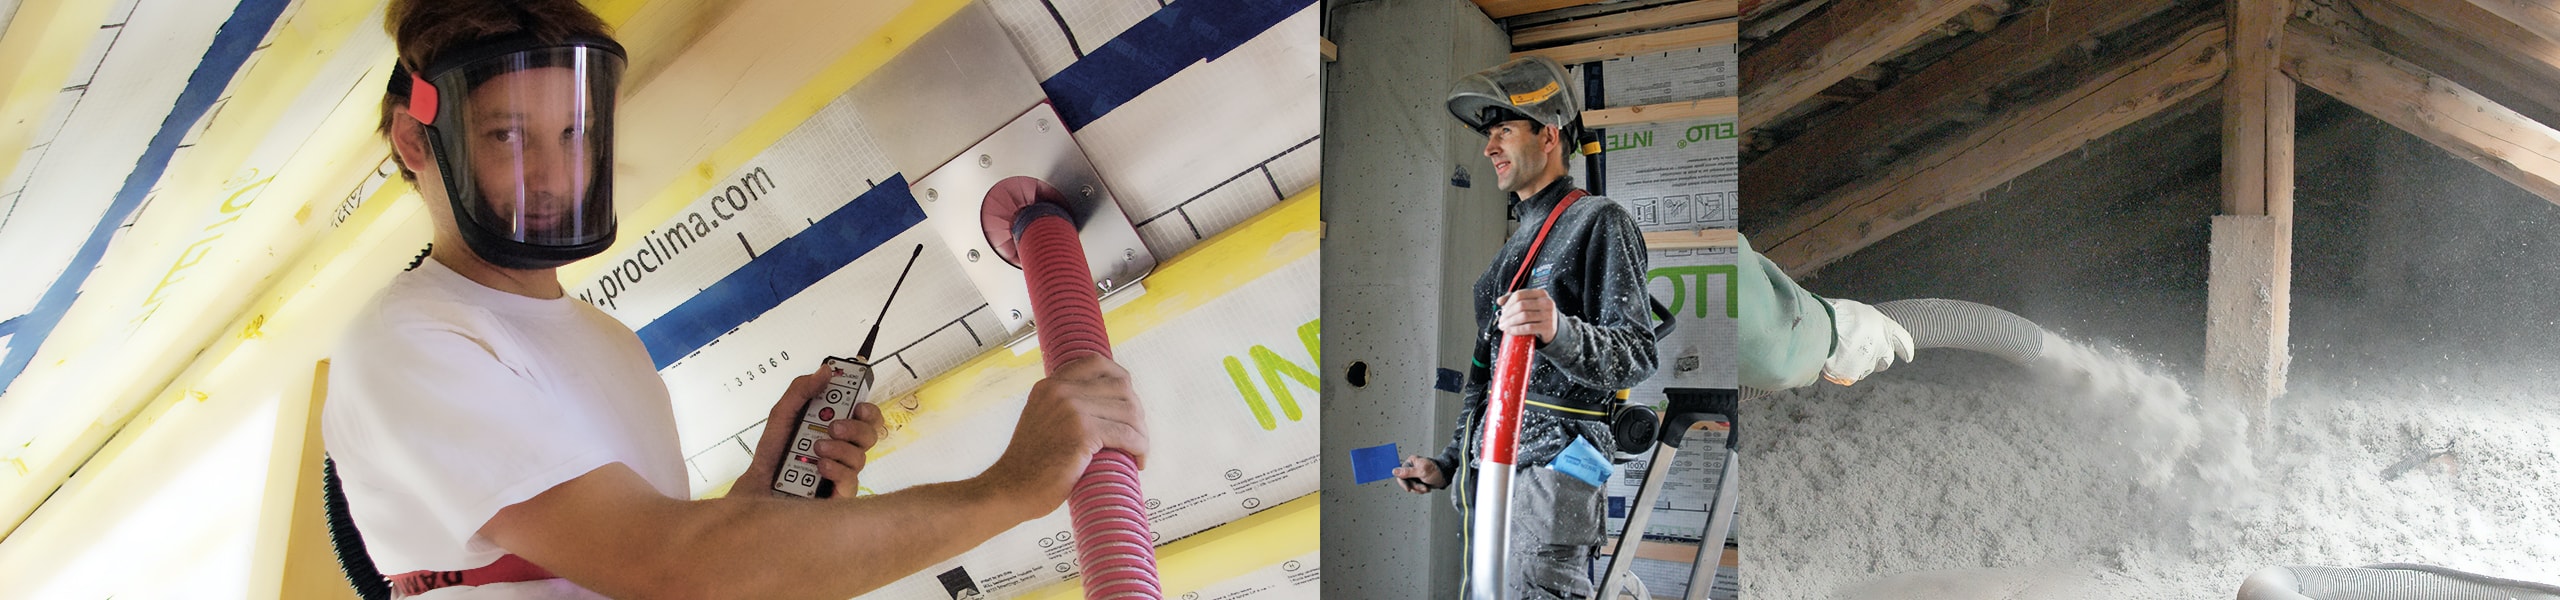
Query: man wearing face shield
x: 494, y: 438
x: 1581, y: 295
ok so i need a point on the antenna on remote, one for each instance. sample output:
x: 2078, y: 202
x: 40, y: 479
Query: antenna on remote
x: 864, y: 355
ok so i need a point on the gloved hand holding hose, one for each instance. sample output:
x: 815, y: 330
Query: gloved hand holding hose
x: 1867, y: 342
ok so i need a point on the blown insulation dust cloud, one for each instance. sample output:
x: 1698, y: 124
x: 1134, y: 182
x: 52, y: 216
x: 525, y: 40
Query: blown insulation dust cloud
x: 2421, y: 422
x: 2094, y: 477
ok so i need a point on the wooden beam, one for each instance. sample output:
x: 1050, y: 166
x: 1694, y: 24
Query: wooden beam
x: 1646, y: 43
x: 1324, y: 47
x: 2515, y: 148
x: 2249, y: 281
x: 1820, y: 52
x: 2541, y: 18
x: 1764, y: 24
x: 1674, y: 552
x: 1512, y: 8
x: 1703, y: 108
x: 1831, y: 152
x: 2485, y: 52
x: 310, y: 566
x: 1668, y: 15
x: 1958, y: 172
x: 1690, y: 240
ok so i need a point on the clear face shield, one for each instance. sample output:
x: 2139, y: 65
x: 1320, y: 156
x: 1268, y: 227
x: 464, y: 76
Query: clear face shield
x: 523, y: 137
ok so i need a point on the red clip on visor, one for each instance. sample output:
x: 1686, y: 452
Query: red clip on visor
x: 422, y: 99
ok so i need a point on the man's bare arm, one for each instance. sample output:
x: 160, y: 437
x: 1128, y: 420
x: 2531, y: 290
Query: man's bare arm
x: 611, y: 532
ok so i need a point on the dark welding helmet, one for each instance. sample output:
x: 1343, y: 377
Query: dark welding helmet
x: 1532, y: 88
x: 522, y: 131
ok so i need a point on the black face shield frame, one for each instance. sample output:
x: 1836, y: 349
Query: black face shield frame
x: 522, y: 132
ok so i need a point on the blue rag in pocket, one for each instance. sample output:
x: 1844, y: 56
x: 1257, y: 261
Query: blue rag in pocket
x: 1583, y: 462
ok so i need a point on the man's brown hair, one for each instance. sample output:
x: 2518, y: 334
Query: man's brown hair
x: 424, y: 29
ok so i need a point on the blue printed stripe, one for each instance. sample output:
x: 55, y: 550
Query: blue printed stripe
x: 782, y: 272
x: 232, y: 44
x: 1151, y: 51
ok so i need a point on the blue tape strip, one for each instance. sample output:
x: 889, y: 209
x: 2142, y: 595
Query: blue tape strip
x: 1147, y: 53
x: 232, y: 44
x: 782, y: 272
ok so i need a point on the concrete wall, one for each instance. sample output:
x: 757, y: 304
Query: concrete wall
x: 1402, y: 247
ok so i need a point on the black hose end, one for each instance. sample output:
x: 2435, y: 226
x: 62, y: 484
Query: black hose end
x: 353, y: 559
x: 1022, y: 221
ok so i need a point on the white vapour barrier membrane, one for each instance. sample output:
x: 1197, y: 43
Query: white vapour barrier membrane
x: 1677, y: 176
x: 191, y: 248
x: 54, y: 196
x: 1675, y: 76
x: 1296, y: 578
x: 1220, y: 454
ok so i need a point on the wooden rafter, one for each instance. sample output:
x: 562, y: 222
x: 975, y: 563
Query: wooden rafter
x: 1513, y: 8
x: 1668, y: 15
x: 1826, y: 49
x: 1646, y: 43
x: 2515, y: 148
x: 2466, y: 42
x: 1703, y: 108
x: 1690, y: 240
x: 2011, y: 143
x: 1828, y: 154
x: 2541, y: 18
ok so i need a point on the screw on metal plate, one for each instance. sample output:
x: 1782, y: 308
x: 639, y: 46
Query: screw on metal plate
x: 930, y: 195
x: 1106, y: 284
x: 986, y: 160
x: 1016, y: 313
x: 1088, y: 190
x: 1128, y: 254
x: 973, y: 255
x: 1044, y: 125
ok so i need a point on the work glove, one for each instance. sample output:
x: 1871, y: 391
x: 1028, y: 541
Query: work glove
x: 1868, y: 342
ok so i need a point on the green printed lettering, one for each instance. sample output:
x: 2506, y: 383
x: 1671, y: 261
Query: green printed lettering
x: 1252, y: 399
x: 1636, y: 139
x: 1680, y: 290
x: 1273, y: 366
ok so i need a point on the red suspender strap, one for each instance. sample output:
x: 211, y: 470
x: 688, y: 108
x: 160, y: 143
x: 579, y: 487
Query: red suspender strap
x: 508, y: 569
x: 1541, y: 240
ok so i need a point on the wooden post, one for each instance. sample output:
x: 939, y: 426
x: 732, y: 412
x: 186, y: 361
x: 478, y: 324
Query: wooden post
x: 2250, y: 281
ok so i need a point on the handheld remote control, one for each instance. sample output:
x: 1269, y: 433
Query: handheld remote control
x: 848, y: 385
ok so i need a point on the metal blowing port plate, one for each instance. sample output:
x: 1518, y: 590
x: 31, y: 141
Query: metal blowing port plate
x: 1035, y: 144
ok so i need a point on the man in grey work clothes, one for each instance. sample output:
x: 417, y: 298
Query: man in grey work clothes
x: 1582, y: 297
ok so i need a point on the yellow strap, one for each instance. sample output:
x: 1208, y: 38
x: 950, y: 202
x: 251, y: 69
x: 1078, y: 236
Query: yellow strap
x: 1570, y: 410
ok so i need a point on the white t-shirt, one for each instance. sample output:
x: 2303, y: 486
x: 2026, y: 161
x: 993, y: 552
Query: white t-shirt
x: 449, y: 400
